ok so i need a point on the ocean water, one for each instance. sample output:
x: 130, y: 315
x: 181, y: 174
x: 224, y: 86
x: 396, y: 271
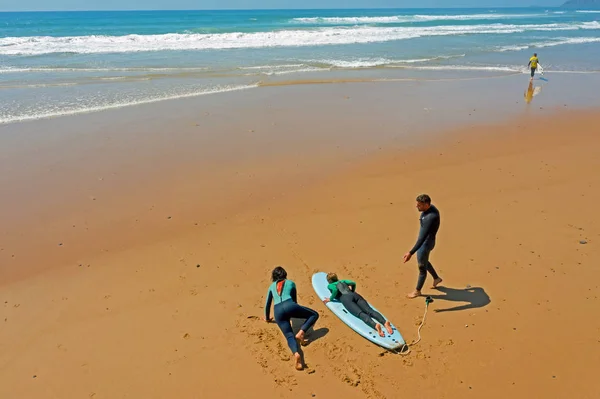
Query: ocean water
x: 63, y: 63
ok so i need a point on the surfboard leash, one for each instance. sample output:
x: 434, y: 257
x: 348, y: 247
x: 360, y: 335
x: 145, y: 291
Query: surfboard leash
x: 405, y: 348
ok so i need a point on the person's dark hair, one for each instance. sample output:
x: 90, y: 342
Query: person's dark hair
x: 424, y: 199
x: 535, y: 54
x: 278, y: 274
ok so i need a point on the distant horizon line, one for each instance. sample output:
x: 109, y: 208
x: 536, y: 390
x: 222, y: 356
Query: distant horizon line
x: 291, y: 9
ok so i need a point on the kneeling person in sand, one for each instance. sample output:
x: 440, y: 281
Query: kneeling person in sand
x: 283, y: 292
x: 345, y: 292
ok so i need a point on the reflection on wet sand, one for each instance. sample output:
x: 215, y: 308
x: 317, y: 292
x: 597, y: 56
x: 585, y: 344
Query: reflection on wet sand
x: 532, y: 91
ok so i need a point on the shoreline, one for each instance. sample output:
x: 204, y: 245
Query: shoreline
x: 373, y: 75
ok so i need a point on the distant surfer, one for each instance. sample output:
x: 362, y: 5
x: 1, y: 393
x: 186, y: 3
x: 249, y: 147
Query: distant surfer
x: 345, y: 292
x: 430, y: 224
x: 283, y: 292
x: 533, y: 64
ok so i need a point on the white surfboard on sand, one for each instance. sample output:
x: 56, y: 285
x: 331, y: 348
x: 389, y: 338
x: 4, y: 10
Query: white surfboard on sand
x: 391, y: 342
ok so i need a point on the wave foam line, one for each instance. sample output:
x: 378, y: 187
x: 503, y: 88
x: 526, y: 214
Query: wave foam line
x: 558, y: 42
x: 122, y: 104
x: 37, y: 45
x: 407, y: 18
x: 116, y: 69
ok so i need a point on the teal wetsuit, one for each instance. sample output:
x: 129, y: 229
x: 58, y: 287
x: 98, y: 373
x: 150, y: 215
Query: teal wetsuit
x: 335, y: 292
x: 283, y: 293
x: 288, y: 291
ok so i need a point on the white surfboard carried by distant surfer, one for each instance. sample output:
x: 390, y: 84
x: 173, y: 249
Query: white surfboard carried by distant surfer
x: 393, y: 341
x: 541, y: 69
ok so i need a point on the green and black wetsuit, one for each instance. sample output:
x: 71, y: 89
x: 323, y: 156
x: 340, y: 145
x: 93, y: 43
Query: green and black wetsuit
x: 344, y: 291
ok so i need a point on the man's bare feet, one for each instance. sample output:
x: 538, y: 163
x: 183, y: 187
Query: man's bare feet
x: 436, y: 282
x: 298, y: 360
x: 379, y: 330
x: 388, y: 327
x: 300, y: 337
x: 414, y: 294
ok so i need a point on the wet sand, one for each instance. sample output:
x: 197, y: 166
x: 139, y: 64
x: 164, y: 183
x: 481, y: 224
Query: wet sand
x: 136, y: 245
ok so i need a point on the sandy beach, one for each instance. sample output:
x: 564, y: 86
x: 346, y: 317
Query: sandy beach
x: 136, y: 245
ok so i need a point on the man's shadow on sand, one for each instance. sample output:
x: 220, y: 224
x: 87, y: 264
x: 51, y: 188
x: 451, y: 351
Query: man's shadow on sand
x: 476, y: 297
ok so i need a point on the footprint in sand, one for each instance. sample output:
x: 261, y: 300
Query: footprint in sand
x: 267, y: 349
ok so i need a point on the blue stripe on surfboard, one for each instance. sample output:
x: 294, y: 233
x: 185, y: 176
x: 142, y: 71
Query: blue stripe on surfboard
x: 394, y: 341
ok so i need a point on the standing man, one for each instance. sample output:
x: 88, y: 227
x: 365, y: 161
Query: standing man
x: 430, y: 224
x: 533, y: 64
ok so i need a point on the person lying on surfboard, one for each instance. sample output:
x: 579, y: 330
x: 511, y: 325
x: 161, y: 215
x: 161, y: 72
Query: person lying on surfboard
x: 283, y: 292
x: 345, y: 292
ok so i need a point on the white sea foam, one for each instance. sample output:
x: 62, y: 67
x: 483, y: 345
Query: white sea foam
x: 355, y: 63
x: 69, y: 70
x: 271, y: 72
x: 106, y: 105
x: 375, y: 62
x: 37, y: 85
x: 590, y: 25
x: 509, y: 68
x: 286, y: 38
x: 406, y: 18
x: 489, y: 68
x: 276, y: 66
x: 277, y: 69
x: 557, y: 42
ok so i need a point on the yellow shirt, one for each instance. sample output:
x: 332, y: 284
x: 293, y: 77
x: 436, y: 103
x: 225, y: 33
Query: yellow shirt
x: 534, y: 62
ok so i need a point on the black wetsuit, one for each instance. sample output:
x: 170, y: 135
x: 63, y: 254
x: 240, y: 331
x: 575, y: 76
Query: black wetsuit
x: 430, y: 224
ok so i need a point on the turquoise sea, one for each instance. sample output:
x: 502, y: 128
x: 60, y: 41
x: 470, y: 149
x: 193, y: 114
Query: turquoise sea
x: 63, y: 63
